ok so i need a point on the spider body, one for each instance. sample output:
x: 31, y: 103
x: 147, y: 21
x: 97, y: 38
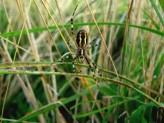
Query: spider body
x: 82, y: 39
x: 82, y: 42
x: 81, y: 53
x: 82, y: 47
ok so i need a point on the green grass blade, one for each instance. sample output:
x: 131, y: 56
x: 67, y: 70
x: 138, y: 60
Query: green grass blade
x: 157, y: 11
x: 33, y: 30
x: 162, y: 4
x: 57, y: 104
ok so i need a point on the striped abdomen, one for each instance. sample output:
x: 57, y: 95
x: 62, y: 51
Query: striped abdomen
x: 82, y: 39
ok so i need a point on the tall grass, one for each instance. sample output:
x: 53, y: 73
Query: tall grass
x: 36, y: 86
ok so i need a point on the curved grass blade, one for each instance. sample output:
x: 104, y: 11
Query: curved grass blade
x: 39, y: 29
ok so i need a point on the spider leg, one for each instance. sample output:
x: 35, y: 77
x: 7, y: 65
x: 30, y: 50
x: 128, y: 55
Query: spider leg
x: 73, y: 62
x: 91, y: 68
x: 91, y: 46
x: 73, y: 48
x: 96, y: 68
x: 72, y: 29
x: 66, y: 55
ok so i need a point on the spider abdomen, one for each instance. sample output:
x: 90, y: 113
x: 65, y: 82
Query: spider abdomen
x: 82, y: 39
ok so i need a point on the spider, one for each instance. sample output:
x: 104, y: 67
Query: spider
x: 82, y: 47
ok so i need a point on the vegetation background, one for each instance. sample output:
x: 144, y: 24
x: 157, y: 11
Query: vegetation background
x: 36, y: 86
